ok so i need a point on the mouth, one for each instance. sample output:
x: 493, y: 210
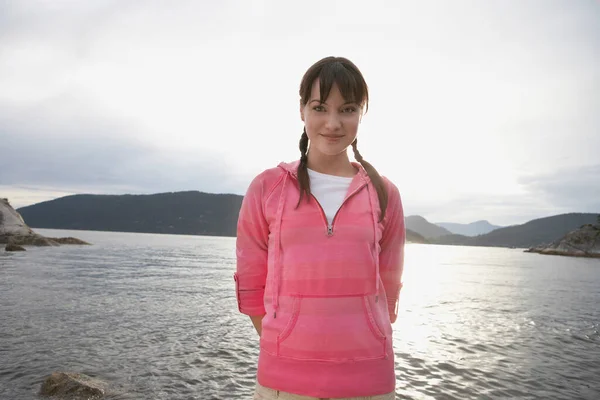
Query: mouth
x: 333, y: 137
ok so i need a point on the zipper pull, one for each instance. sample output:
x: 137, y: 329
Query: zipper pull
x: 329, y: 230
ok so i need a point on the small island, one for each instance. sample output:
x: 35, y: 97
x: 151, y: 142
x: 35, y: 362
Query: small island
x: 15, y: 233
x: 582, y: 242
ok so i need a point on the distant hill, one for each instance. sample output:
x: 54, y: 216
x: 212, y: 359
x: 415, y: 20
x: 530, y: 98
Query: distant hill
x: 453, y: 239
x: 192, y: 213
x: 197, y: 213
x: 472, y: 229
x: 531, y: 234
x: 424, y: 228
x: 414, y: 237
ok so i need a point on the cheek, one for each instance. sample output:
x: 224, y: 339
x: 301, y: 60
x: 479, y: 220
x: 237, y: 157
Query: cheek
x: 312, y: 125
x: 351, y: 124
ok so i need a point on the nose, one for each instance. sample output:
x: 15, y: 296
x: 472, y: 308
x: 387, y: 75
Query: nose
x: 333, y: 122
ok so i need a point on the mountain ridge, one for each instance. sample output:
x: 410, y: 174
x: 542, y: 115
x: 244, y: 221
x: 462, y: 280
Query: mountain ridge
x: 480, y: 227
x: 186, y: 213
x: 424, y: 228
x: 200, y: 213
x: 533, y: 233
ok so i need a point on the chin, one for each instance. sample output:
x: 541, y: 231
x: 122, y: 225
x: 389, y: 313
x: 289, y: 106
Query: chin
x: 332, y: 151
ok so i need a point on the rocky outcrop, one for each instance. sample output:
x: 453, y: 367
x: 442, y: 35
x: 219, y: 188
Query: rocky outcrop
x: 582, y: 242
x: 72, y: 386
x: 11, y: 222
x: 38, y: 240
x: 14, y: 247
x: 15, y: 233
x: 29, y: 240
x: 69, y: 240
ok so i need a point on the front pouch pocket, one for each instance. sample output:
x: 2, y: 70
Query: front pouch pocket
x: 332, y: 329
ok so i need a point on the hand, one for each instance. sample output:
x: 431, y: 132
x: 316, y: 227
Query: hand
x: 257, y: 322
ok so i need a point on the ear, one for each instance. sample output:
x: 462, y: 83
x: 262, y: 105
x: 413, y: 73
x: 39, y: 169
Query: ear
x: 301, y: 111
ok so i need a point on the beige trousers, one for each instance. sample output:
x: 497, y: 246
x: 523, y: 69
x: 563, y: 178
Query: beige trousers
x: 263, y: 393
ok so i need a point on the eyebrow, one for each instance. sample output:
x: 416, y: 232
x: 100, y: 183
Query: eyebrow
x: 322, y: 102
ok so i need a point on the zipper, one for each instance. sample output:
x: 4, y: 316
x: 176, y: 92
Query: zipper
x: 330, y: 226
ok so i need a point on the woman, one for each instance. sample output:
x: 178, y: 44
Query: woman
x: 320, y: 249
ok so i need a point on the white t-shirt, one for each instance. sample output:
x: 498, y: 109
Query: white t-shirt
x: 329, y: 190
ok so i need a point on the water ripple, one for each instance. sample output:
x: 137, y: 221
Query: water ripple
x: 155, y: 316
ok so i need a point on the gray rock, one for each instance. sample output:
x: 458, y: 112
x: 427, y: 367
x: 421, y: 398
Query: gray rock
x: 31, y: 240
x: 69, y: 240
x: 582, y: 242
x: 73, y: 386
x: 15, y: 232
x: 14, y: 247
x: 11, y: 222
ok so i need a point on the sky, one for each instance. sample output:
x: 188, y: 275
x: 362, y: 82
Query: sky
x: 478, y: 109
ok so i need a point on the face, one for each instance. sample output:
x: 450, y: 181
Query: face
x: 331, y: 126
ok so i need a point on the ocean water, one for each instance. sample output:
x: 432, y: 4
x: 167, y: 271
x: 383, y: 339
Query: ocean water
x: 155, y: 316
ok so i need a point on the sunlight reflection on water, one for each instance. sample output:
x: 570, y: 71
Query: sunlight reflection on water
x: 156, y: 316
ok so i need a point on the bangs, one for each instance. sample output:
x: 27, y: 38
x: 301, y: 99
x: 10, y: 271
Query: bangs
x: 345, y: 75
x: 349, y: 87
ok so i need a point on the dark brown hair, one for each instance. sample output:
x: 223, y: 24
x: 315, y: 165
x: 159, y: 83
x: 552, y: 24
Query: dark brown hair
x: 352, y: 85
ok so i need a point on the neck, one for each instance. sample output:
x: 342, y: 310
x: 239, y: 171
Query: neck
x: 338, y: 165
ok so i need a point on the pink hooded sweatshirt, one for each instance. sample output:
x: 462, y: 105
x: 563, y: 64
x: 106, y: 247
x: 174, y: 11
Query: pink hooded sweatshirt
x: 330, y: 294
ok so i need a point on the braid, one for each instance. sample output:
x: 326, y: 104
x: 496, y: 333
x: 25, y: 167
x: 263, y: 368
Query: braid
x: 303, y: 177
x: 357, y: 155
x: 303, y: 147
x: 376, y: 179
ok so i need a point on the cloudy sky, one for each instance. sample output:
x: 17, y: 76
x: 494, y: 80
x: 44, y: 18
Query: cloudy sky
x: 479, y: 109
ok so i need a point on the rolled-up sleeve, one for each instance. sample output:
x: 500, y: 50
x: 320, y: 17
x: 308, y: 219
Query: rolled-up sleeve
x: 391, y: 257
x: 251, y: 251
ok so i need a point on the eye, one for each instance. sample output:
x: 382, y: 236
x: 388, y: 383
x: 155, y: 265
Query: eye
x: 319, y: 108
x: 349, y: 110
